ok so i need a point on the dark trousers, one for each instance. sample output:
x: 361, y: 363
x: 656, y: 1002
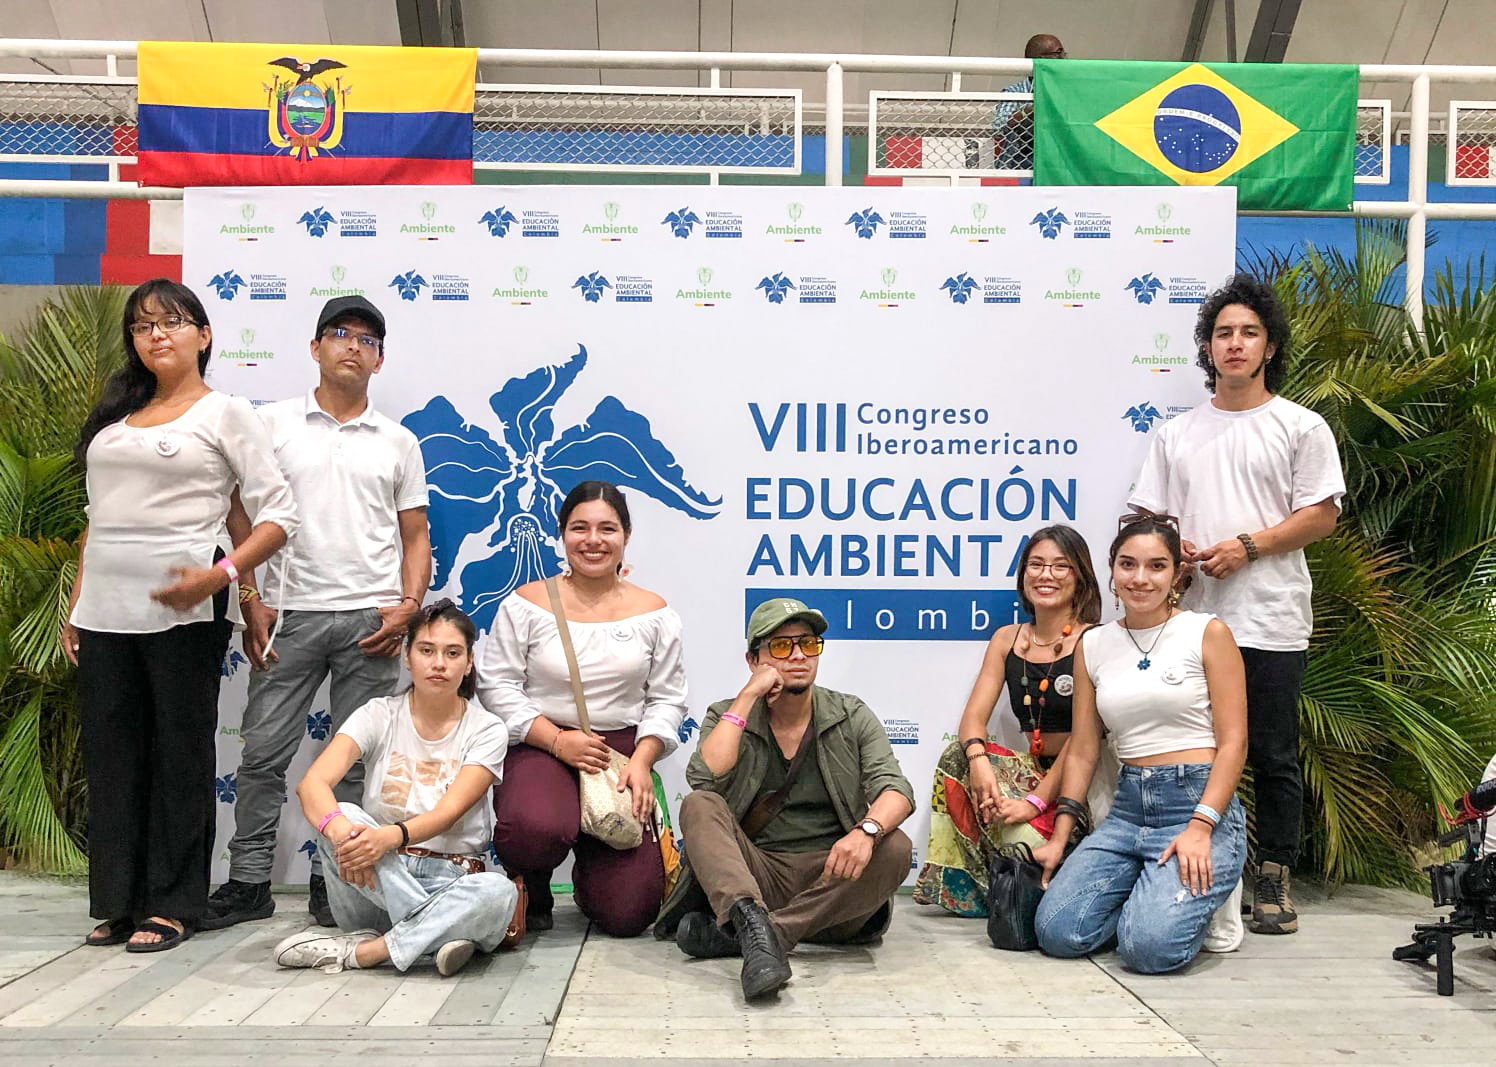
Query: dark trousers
x: 149, y: 710
x: 1273, y: 681
x: 537, y: 821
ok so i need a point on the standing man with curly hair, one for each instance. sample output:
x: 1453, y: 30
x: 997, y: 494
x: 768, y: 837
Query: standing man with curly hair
x: 1253, y: 478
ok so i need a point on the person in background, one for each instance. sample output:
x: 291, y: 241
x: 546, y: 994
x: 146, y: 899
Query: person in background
x: 1013, y: 122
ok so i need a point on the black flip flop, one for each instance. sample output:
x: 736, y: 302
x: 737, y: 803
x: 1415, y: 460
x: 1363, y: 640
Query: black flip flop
x: 171, y: 937
x: 119, y: 932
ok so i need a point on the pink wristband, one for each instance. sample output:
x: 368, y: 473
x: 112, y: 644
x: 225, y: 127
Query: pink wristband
x: 329, y: 817
x: 737, y: 720
x: 1033, y: 799
x: 229, y: 568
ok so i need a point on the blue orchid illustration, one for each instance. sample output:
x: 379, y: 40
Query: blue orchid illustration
x: 688, y: 727
x: 1049, y: 222
x: 226, y: 788
x: 233, y: 659
x: 227, y: 284
x: 409, y: 284
x: 503, y: 491
x: 775, y: 287
x: 960, y: 287
x: 316, y: 221
x: 592, y: 286
x: 498, y: 221
x: 1143, y: 416
x: 1145, y: 288
x: 310, y: 848
x: 680, y: 222
x: 865, y: 222
x: 318, y: 725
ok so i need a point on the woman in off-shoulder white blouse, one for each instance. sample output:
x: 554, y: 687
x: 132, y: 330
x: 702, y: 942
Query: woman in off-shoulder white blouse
x: 628, y: 648
x: 151, y: 611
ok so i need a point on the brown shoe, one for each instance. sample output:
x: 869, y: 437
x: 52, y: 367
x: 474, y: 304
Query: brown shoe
x: 1272, y: 908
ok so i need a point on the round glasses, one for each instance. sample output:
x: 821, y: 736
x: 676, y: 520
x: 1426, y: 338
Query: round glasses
x: 168, y: 324
x: 784, y: 647
x: 1059, y: 568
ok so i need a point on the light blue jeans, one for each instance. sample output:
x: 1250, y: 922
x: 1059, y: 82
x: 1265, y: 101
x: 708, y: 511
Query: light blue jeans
x: 1112, y: 884
x: 419, y: 903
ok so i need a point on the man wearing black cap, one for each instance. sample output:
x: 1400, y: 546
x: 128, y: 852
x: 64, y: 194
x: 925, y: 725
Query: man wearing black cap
x: 346, y: 586
x: 791, y: 831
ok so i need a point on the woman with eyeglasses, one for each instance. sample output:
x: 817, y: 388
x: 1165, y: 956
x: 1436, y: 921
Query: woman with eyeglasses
x: 628, y: 650
x: 406, y: 875
x: 1169, y: 686
x: 150, y: 613
x: 986, y: 795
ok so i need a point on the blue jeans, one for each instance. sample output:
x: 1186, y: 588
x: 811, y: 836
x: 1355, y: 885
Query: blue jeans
x: 1112, y: 884
x: 419, y: 903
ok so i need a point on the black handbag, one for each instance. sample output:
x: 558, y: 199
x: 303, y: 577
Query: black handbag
x: 1013, y: 891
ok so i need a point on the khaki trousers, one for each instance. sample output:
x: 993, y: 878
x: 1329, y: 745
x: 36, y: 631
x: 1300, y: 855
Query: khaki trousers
x: 802, y: 904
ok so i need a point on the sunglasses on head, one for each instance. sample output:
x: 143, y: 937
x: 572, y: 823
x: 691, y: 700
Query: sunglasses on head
x: 1124, y: 521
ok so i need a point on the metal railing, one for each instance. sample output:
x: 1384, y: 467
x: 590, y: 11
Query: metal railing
x: 59, y: 119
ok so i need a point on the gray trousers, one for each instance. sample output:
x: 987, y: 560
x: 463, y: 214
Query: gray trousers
x: 311, y: 645
x: 420, y: 903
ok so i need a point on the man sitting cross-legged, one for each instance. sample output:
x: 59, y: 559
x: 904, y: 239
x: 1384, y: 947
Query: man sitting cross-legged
x: 791, y: 829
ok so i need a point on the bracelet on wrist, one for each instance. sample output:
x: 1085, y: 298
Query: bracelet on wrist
x: 329, y: 817
x: 1037, y: 802
x: 967, y: 747
x: 1203, y: 819
x: 1249, y: 545
x: 1209, y: 813
x: 737, y: 720
x: 227, y: 566
x: 412, y: 599
x: 404, y: 834
x: 556, y: 741
x: 247, y: 593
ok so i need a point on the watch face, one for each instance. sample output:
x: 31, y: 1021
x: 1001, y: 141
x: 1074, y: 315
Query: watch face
x: 870, y: 827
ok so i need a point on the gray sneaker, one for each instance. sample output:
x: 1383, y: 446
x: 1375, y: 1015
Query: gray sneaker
x: 1272, y: 907
x: 453, y: 956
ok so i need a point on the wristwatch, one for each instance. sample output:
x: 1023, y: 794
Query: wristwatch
x: 872, y: 829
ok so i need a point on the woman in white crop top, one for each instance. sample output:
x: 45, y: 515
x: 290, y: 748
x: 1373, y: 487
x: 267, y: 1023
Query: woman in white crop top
x: 628, y: 648
x: 149, y: 618
x: 1169, y: 687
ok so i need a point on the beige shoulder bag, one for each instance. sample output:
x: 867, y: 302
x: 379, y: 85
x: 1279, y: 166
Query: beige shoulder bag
x: 607, y: 814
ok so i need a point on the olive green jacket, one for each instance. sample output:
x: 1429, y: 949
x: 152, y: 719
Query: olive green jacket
x: 852, y: 752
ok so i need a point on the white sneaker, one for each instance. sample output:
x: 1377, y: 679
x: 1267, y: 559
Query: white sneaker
x: 314, y: 948
x: 453, y: 956
x: 1225, y: 930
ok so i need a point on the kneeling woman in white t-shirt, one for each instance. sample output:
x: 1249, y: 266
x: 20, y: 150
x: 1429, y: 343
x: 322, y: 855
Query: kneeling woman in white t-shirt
x: 406, y: 871
x: 1169, y: 687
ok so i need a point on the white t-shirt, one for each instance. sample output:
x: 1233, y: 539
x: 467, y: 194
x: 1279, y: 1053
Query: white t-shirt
x: 1165, y: 708
x: 157, y: 499
x: 633, y: 672
x: 1225, y: 473
x: 351, y: 479
x: 405, y: 774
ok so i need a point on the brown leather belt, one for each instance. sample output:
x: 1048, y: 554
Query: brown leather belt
x: 471, y: 864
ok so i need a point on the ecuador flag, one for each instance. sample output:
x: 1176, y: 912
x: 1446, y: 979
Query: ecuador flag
x: 275, y: 114
x: 1284, y: 135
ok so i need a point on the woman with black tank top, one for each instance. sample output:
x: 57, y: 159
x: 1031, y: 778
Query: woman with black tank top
x: 986, y: 795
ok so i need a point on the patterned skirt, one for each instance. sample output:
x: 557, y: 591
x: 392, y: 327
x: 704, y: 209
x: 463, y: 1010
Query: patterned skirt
x: 955, y: 872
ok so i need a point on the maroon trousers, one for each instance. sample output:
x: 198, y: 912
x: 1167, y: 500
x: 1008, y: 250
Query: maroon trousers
x: 537, y: 817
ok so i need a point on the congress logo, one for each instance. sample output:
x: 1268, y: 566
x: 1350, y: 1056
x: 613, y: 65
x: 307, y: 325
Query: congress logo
x: 233, y: 659
x: 960, y: 287
x: 305, y: 116
x: 1145, y: 287
x: 865, y: 222
x: 775, y: 287
x: 680, y: 222
x: 408, y: 285
x: 495, y: 495
x: 498, y: 221
x: 688, y: 727
x: 318, y: 725
x: 317, y: 221
x: 1050, y: 222
x: 226, y: 788
x: 308, y: 849
x: 592, y: 286
x: 227, y: 284
x: 1142, y: 416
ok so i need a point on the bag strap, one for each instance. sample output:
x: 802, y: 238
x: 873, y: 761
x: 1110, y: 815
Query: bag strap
x: 554, y: 592
x: 769, y: 805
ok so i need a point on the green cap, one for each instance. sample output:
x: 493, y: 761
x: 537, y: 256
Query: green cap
x: 772, y: 614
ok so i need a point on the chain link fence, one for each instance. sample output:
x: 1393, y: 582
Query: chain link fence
x: 990, y: 133
x: 1373, y: 131
x: 68, y: 120
x: 1472, y: 141
x: 590, y: 128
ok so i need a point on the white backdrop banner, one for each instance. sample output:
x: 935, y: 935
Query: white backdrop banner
x: 861, y: 397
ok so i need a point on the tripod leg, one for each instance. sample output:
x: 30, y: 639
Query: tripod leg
x: 1444, y: 951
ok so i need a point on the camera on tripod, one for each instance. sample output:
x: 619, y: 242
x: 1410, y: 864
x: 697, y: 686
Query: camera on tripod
x: 1467, y: 884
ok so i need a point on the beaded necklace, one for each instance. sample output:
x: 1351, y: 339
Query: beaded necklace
x: 1034, y: 713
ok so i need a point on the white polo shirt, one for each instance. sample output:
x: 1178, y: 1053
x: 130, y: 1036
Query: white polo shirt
x: 350, y: 480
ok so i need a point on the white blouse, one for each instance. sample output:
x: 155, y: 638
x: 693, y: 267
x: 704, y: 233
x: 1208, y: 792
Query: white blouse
x: 1164, y: 708
x: 157, y: 499
x: 633, y: 672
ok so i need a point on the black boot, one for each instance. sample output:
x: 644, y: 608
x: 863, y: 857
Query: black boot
x: 317, y: 905
x: 766, y: 967
x: 237, y: 902
x: 699, y: 935
x: 541, y: 904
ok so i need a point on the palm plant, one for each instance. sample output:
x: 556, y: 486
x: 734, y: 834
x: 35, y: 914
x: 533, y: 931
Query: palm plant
x: 1397, y: 709
x: 51, y: 374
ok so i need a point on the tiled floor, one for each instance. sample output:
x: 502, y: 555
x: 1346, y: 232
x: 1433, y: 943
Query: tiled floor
x: 933, y: 992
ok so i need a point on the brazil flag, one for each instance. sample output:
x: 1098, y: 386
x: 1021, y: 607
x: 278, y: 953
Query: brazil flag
x: 1284, y: 135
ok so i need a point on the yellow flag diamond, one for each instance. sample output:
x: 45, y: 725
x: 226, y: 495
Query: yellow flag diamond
x: 1196, y: 128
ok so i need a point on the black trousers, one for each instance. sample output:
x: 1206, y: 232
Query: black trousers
x: 149, y: 709
x: 1273, y: 681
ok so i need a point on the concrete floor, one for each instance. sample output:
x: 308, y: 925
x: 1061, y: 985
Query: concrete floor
x: 933, y: 992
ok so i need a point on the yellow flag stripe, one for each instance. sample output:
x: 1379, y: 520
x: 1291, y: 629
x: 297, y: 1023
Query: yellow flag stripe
x: 378, y: 80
